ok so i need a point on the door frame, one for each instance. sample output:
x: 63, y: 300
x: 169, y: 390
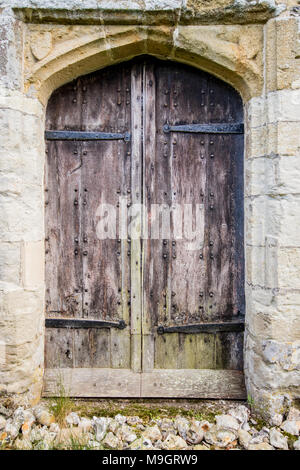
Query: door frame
x: 210, y: 383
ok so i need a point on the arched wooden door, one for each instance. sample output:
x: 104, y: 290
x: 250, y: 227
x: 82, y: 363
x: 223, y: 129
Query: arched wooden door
x: 157, y: 311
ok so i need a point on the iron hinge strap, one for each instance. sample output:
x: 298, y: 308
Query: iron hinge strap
x: 237, y: 326
x: 81, y: 135
x: 83, y: 323
x: 221, y: 128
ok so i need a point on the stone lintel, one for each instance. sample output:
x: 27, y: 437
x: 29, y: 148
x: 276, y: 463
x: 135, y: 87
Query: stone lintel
x: 171, y: 12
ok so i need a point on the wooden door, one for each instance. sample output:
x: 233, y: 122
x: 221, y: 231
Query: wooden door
x: 193, y: 306
x: 144, y: 313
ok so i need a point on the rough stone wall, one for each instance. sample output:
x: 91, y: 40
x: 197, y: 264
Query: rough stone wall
x: 255, y: 46
x: 21, y: 222
x: 272, y: 348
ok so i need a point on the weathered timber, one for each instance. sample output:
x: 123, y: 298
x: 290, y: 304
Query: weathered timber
x: 193, y: 383
x: 163, y: 135
x: 89, y: 382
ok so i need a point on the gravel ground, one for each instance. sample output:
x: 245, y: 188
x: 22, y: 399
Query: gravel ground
x: 169, y: 425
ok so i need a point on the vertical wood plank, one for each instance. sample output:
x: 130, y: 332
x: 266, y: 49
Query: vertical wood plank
x: 148, y: 274
x: 136, y: 200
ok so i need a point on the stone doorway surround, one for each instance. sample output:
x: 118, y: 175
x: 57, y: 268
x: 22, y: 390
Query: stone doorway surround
x: 254, y: 46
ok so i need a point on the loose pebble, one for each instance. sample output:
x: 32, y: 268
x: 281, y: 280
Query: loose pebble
x: 35, y: 428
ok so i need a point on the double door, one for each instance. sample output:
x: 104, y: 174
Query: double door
x: 144, y: 234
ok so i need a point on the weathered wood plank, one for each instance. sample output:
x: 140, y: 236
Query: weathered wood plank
x: 92, y: 348
x: 166, y: 351
x: 160, y: 383
x: 62, y: 226
x: 120, y: 349
x: 88, y: 382
x: 59, y: 348
x: 136, y: 217
x: 193, y: 383
x: 87, y: 276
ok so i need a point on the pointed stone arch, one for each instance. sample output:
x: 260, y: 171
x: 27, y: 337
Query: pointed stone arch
x: 222, y: 52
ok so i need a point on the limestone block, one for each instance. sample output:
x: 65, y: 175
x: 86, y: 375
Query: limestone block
x: 289, y: 268
x: 288, y: 140
x: 261, y: 176
x: 255, y: 210
x: 126, y: 41
x: 289, y: 233
x: 269, y: 404
x: 21, y: 316
x: 281, y: 219
x: 20, y: 132
x: 282, y: 57
x: 23, y: 216
x: 26, y: 376
x: 287, y: 355
x: 33, y: 264
x: 259, y: 298
x: 284, y: 105
x: 11, y: 50
x: 148, y: 11
x: 273, y: 324
x: 288, y: 175
x: 10, y: 262
x: 255, y: 257
x: 288, y: 300
x: 256, y: 141
x: 270, y: 377
x: 255, y: 113
x: 15, y: 100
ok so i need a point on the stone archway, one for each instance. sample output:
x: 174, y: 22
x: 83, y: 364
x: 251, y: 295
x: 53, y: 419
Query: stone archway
x: 232, y: 52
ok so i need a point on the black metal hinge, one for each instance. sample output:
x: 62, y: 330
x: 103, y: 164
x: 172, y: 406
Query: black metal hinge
x: 203, y: 328
x: 82, y: 323
x: 81, y: 135
x: 222, y: 128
